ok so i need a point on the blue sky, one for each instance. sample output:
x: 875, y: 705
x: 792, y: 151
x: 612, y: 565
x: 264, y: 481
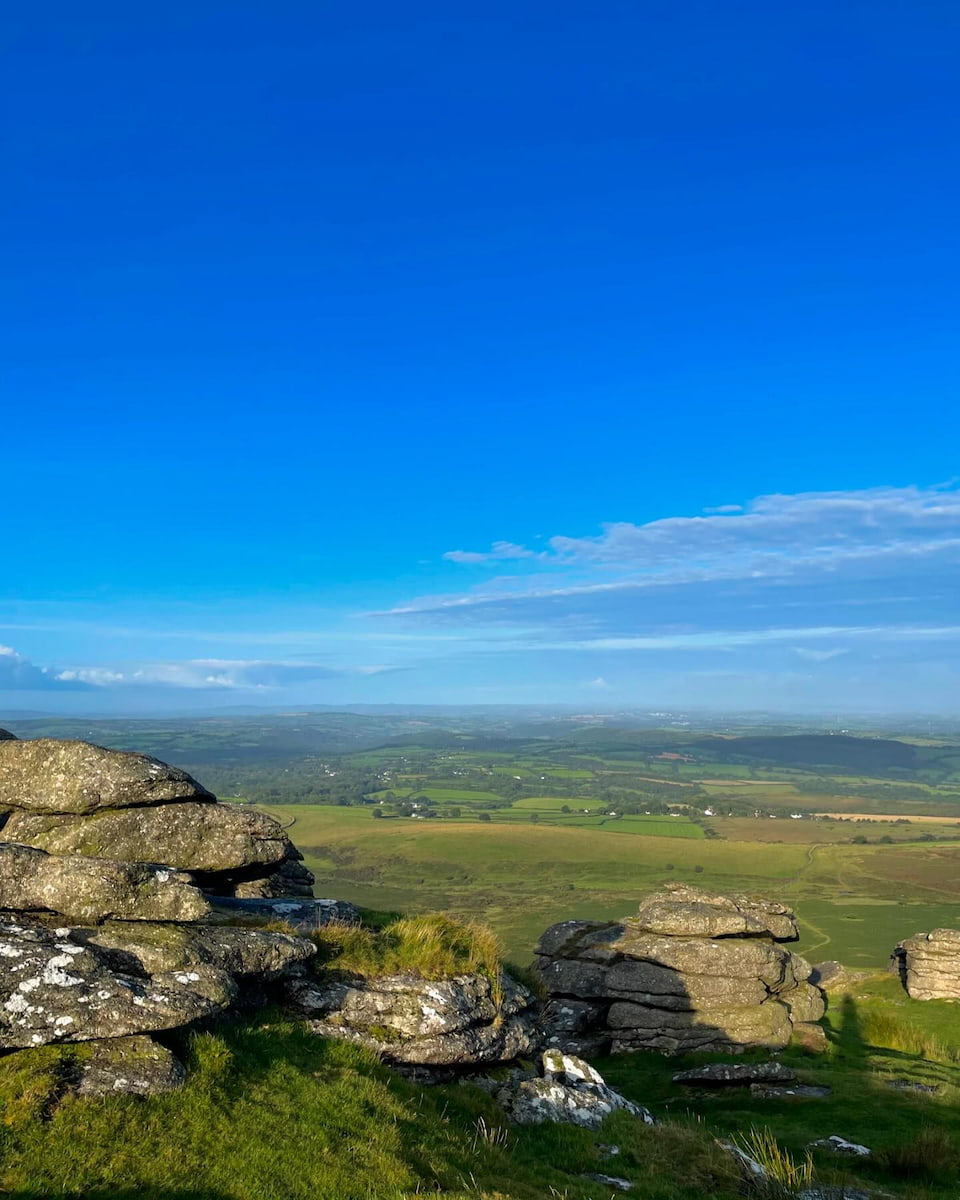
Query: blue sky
x: 494, y: 353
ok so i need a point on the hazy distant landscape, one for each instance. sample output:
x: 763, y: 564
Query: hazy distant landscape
x: 522, y: 819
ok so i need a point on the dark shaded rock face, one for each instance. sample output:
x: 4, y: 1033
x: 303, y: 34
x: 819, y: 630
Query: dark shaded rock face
x: 47, y: 775
x: 459, y: 1022
x: 93, y: 889
x: 150, y: 949
x: 929, y: 965
x: 692, y: 971
x: 7, y: 736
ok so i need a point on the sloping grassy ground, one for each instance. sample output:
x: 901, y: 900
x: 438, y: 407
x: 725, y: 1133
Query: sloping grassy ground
x: 876, y: 1035
x: 271, y: 1112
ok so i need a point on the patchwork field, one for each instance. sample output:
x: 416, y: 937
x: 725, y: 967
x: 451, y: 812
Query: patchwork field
x: 854, y: 902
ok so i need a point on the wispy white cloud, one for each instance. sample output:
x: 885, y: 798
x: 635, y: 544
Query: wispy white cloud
x: 498, y: 552
x: 818, y: 526
x: 17, y: 673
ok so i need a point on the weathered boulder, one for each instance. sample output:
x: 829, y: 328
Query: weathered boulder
x: 929, y: 965
x: 129, y: 1066
x: 54, y: 989
x: 93, y: 889
x: 692, y: 971
x: 568, y: 1090
x: 188, y: 836
x: 50, y: 776
x: 458, y: 1022
x: 143, y: 948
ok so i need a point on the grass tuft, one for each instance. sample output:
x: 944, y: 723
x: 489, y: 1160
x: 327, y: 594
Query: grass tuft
x: 433, y: 947
x: 784, y: 1172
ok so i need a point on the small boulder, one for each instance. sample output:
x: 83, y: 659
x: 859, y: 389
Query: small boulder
x: 94, y: 889
x: 129, y: 1066
x: 51, y: 776
x: 568, y: 1091
x: 840, y: 1145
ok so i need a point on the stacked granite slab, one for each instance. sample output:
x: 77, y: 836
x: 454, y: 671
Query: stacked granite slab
x: 929, y: 965
x: 691, y: 971
x: 108, y: 929
x: 74, y: 798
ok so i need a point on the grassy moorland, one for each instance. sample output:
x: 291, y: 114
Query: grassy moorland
x: 272, y: 1112
x: 854, y: 901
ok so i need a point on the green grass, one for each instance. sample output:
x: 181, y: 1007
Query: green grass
x: 272, y: 1112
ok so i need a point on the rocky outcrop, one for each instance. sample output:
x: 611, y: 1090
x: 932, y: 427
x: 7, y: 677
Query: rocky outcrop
x: 691, y: 971
x: 461, y: 1022
x: 73, y: 798
x: 567, y: 1090
x: 929, y: 965
x: 103, y: 938
x: 7, y: 736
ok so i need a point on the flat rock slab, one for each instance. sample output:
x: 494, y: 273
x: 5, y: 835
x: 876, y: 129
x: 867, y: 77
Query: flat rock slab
x: 189, y: 836
x: 794, y: 1091
x: 686, y: 911
x: 53, y: 776
x: 94, y: 889
x: 54, y: 989
x: 735, y: 1074
x: 144, y: 948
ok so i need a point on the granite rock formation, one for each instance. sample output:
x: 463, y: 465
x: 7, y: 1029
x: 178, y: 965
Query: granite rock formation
x: 110, y: 928
x: 75, y: 799
x: 691, y: 971
x: 929, y: 965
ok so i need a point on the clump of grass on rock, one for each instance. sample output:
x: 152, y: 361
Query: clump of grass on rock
x: 433, y: 947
